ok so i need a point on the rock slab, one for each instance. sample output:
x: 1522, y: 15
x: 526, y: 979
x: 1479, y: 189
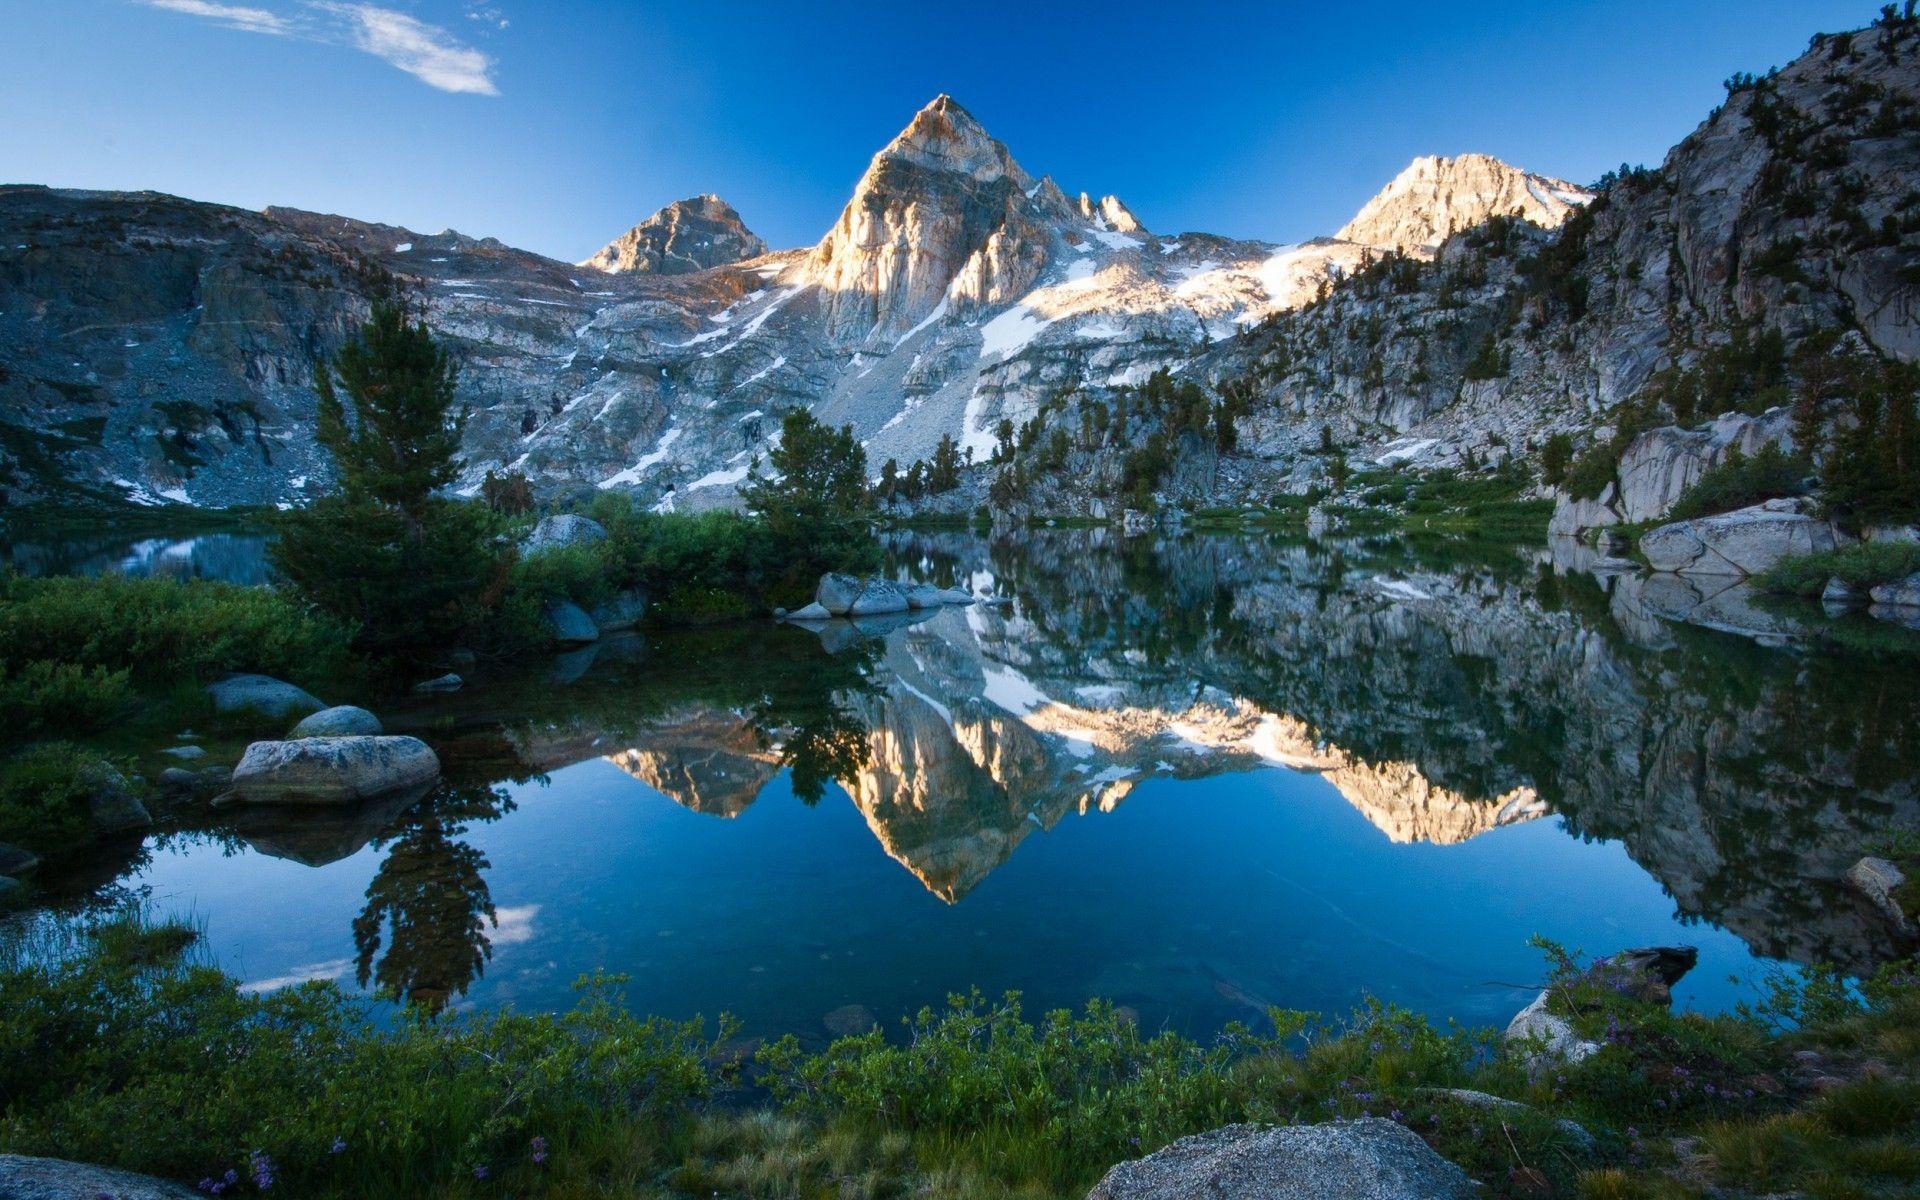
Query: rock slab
x: 1878, y: 880
x: 569, y: 624
x: 332, y: 770
x: 1746, y: 541
x: 566, y: 529
x: 24, y: 1178
x: 1370, y: 1159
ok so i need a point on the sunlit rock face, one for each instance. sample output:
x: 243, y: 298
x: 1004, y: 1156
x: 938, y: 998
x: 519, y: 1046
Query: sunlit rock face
x: 1435, y: 198
x: 686, y: 236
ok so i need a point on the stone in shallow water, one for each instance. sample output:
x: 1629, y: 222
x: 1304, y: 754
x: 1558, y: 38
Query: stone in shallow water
x: 570, y: 625
x: 332, y: 770
x: 1369, y: 1159
x: 342, y: 720
x: 262, y: 694
x: 17, y: 860
x: 812, y: 612
x: 837, y: 593
x: 441, y: 683
x: 850, y: 1020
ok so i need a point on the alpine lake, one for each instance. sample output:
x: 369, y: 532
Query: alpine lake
x: 1198, y: 775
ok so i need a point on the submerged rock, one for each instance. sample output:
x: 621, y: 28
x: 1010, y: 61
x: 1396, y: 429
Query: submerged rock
x: 24, y: 1178
x: 342, y: 720
x: 262, y: 694
x: 566, y: 529
x: 332, y: 770
x: 1370, y: 1159
x: 440, y: 683
x: 850, y: 1020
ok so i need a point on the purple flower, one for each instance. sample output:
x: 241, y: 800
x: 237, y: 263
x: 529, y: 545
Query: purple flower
x: 539, y: 1150
x: 480, y: 1172
x: 339, y: 1146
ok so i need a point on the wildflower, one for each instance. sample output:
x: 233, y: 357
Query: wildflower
x: 539, y: 1150
x: 480, y: 1172
x: 339, y: 1146
x: 262, y: 1168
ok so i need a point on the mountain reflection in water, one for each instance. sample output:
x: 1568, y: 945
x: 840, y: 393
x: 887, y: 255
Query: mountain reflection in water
x: 1448, y: 698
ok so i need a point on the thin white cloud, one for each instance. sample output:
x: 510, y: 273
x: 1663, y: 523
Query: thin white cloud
x: 233, y: 16
x: 427, y: 52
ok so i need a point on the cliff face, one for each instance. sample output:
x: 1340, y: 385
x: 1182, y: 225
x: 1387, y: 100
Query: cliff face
x: 1435, y: 198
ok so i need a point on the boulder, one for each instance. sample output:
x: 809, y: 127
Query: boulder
x: 264, y: 695
x: 1841, y: 594
x: 837, y: 593
x: 183, y: 782
x: 111, y: 805
x: 1575, y: 1131
x: 16, y: 860
x: 23, y: 1178
x: 1549, y: 1035
x: 566, y: 529
x: 1746, y: 541
x: 622, y: 611
x: 1901, y: 593
x: 1874, y: 878
x: 877, y: 597
x: 925, y: 595
x: 1647, y: 974
x: 332, y: 770
x: 811, y: 612
x: 439, y: 683
x: 342, y: 720
x: 184, y: 753
x: 955, y: 596
x: 1370, y: 1159
x: 569, y: 624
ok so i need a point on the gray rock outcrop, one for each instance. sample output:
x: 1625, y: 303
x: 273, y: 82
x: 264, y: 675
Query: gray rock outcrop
x: 1901, y: 593
x: 112, y: 807
x: 837, y: 593
x: 1435, y: 198
x: 562, y: 530
x: 621, y: 611
x: 1369, y: 1159
x: 342, y: 720
x: 1744, y: 542
x: 332, y: 770
x: 1880, y: 881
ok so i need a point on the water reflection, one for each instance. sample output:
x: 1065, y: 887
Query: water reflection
x: 226, y: 557
x: 1450, y: 697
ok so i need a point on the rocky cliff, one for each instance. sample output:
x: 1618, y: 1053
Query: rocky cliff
x: 1435, y: 198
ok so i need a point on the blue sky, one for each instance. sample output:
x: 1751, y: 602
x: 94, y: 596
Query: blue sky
x: 556, y: 124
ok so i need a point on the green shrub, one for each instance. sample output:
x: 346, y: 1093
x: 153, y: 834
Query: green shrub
x: 1738, y: 481
x: 150, y: 1063
x: 42, y: 697
x: 43, y: 798
x: 157, y: 631
x: 1866, y: 565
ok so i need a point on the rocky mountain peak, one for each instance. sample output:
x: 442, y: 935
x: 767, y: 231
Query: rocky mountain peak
x: 695, y: 234
x: 943, y: 208
x: 1435, y: 198
x: 1109, y: 213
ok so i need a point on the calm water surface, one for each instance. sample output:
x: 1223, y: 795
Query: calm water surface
x: 1198, y: 777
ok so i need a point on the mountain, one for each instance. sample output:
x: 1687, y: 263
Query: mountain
x: 158, y: 350
x: 690, y: 235
x: 1435, y: 198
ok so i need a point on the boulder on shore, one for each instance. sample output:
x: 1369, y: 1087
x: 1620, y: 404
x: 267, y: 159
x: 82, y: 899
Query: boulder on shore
x: 111, y: 805
x: 24, y: 1178
x: 837, y: 592
x: 1901, y: 593
x: 1877, y: 880
x: 566, y: 529
x: 439, y: 683
x: 620, y: 612
x: 1746, y: 541
x: 811, y: 612
x: 569, y: 624
x: 262, y: 694
x: 332, y: 770
x: 1369, y: 1159
x: 1646, y: 974
x: 877, y: 597
x: 342, y: 720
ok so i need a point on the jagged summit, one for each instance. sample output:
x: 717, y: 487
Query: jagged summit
x: 695, y: 234
x: 1436, y: 197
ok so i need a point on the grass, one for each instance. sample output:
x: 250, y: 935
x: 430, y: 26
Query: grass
x: 1863, y: 566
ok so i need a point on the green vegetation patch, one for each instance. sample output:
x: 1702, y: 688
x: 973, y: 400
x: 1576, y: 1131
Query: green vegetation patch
x: 1863, y: 566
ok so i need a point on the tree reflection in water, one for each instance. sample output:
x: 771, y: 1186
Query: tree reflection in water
x: 429, y: 904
